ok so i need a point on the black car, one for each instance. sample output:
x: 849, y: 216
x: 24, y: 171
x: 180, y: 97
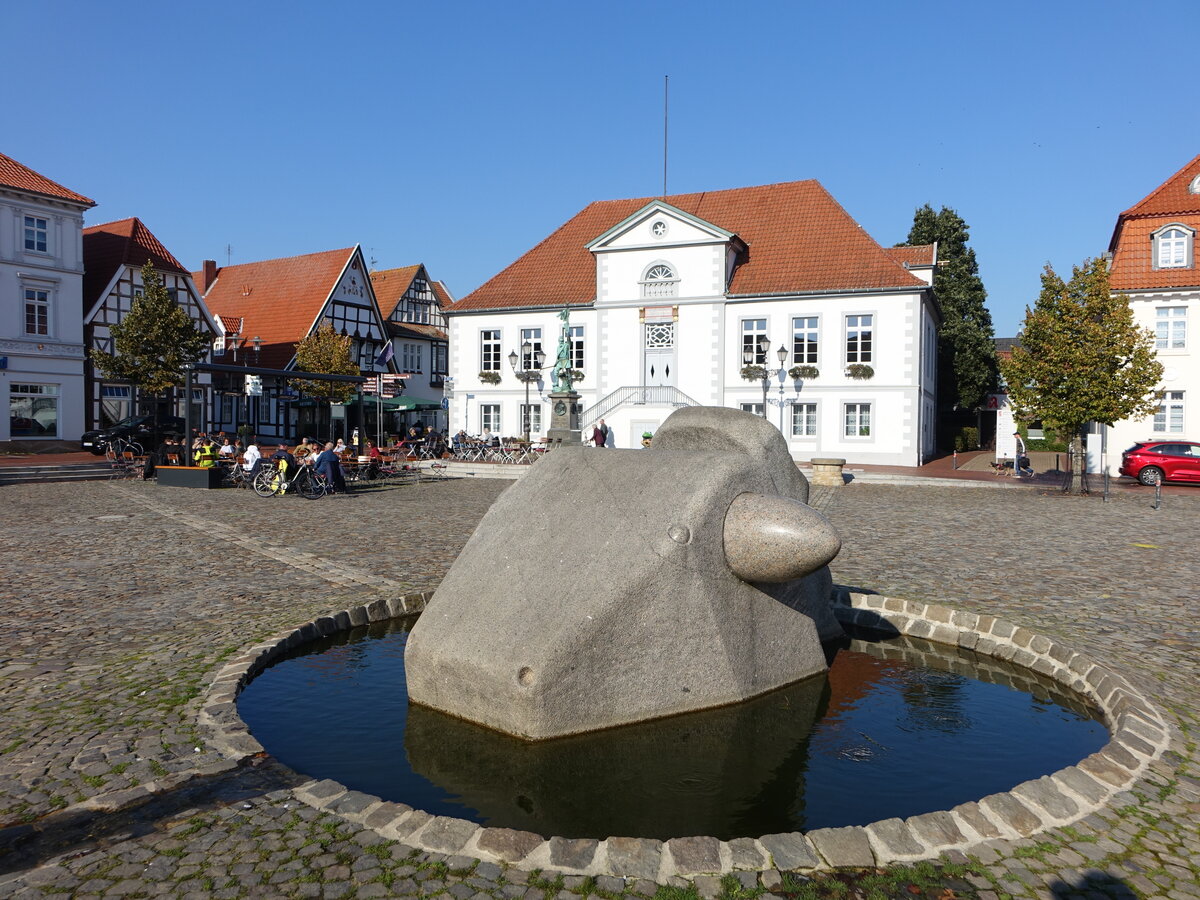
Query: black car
x: 140, y: 429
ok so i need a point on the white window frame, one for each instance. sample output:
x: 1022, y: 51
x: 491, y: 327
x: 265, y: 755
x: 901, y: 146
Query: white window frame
x: 490, y: 349
x: 1170, y: 328
x: 39, y: 298
x: 805, y: 419
x: 532, y: 334
x: 1169, y: 417
x: 856, y: 325
x: 411, y: 357
x: 532, y: 413
x: 1172, y: 247
x: 30, y: 233
x: 578, y: 339
x: 752, y: 328
x: 811, y: 352
x: 852, y: 428
x: 659, y: 279
x: 120, y: 395
x: 755, y: 407
x: 489, y: 417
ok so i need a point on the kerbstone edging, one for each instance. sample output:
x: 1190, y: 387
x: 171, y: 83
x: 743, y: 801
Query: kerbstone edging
x: 1139, y: 736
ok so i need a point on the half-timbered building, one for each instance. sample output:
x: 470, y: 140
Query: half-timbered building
x: 412, y: 306
x: 113, y: 255
x: 263, y: 310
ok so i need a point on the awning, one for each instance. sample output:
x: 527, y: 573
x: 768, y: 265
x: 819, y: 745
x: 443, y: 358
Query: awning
x: 398, y: 404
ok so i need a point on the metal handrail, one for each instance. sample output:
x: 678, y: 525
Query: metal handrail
x: 638, y: 394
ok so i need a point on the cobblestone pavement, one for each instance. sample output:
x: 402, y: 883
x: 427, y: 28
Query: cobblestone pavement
x: 119, y: 600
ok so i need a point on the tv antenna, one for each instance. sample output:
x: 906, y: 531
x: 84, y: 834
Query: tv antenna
x: 666, y: 98
x: 228, y: 253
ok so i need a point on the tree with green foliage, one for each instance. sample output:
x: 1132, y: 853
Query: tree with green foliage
x: 967, y: 369
x: 153, y: 342
x: 1082, y: 359
x: 325, y: 352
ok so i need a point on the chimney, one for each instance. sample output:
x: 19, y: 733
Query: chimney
x: 208, y: 276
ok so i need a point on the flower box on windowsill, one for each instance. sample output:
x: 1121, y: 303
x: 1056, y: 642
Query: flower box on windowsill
x: 804, y: 372
x: 754, y: 373
x: 489, y: 377
x: 859, y: 371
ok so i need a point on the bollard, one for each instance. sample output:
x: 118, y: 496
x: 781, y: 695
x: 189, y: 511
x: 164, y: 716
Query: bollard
x: 1158, y: 495
x: 956, y: 459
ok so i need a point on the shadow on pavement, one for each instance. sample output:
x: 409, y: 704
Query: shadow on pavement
x: 76, y: 831
x: 1094, y: 883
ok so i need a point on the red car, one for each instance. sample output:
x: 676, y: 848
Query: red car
x: 1153, y: 462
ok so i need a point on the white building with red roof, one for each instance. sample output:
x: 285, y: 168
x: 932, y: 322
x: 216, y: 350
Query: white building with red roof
x: 41, y: 309
x: 1153, y: 264
x: 264, y: 309
x: 670, y: 296
x: 113, y: 255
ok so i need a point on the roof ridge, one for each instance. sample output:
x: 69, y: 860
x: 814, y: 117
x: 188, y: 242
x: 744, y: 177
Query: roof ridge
x: 62, y: 192
x: 259, y: 262
x: 1132, y: 211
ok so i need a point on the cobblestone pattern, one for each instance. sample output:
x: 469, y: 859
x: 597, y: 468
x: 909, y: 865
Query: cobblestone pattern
x: 146, y: 604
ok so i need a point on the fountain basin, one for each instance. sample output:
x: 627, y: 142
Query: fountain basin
x: 1138, y: 736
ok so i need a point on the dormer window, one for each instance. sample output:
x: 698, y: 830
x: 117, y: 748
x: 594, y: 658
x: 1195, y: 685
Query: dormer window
x: 1194, y: 186
x: 659, y: 281
x: 1173, y: 247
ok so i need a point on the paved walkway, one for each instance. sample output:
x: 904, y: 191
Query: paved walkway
x: 119, y: 600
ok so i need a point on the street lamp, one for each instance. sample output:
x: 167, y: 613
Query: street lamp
x: 527, y: 373
x: 782, y: 354
x: 750, y: 358
x: 257, y: 342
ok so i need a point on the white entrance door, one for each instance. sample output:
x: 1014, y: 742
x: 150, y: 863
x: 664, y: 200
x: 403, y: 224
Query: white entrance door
x: 659, y: 360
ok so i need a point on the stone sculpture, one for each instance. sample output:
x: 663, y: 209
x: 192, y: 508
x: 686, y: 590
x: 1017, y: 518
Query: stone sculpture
x: 615, y: 587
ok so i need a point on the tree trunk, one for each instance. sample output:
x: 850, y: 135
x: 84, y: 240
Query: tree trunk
x: 1078, y: 461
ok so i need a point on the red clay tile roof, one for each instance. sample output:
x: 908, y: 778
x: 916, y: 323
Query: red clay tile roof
x: 1132, y: 267
x: 799, y: 238
x: 109, y: 246
x: 916, y: 255
x: 415, y: 329
x: 231, y: 324
x: 278, y: 299
x: 444, y: 297
x: 23, y: 178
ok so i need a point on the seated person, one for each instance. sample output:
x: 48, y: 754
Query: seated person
x: 226, y: 448
x: 206, y: 456
x: 329, y: 466
x: 253, y: 459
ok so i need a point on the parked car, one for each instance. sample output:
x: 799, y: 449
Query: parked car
x: 1153, y: 462
x: 135, y: 428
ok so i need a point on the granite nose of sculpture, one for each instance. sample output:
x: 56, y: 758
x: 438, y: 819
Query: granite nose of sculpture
x: 774, y: 539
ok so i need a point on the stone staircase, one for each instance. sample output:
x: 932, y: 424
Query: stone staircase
x: 101, y: 469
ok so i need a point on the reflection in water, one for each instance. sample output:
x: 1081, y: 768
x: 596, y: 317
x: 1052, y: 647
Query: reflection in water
x: 657, y: 778
x: 898, y: 727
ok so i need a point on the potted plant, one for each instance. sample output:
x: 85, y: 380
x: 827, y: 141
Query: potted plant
x: 576, y: 376
x: 754, y: 373
x: 806, y: 372
x: 489, y: 377
x: 859, y: 371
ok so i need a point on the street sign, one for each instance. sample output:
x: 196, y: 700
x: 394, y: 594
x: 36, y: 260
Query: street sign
x: 445, y: 403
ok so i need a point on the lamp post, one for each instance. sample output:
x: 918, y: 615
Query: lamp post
x: 782, y: 355
x: 257, y: 342
x: 750, y: 358
x: 527, y: 374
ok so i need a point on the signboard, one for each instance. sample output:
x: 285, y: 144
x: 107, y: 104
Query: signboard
x: 253, y: 385
x: 371, y: 385
x: 1006, y: 444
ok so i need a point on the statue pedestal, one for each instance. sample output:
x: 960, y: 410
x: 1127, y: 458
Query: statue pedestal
x: 564, y: 418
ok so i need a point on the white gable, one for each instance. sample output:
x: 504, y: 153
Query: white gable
x: 659, y: 224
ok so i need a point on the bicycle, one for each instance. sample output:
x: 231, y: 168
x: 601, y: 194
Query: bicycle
x: 311, y: 484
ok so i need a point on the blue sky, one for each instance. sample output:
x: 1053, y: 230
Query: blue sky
x: 459, y: 134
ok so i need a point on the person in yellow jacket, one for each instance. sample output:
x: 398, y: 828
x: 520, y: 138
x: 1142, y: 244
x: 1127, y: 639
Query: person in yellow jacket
x: 206, y: 456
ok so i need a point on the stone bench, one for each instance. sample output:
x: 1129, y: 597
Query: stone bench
x: 827, y: 472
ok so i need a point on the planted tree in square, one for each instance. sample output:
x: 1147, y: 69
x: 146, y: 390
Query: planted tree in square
x: 153, y: 342
x: 1082, y: 359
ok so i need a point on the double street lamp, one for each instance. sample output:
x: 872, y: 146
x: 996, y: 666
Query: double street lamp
x: 749, y: 356
x: 531, y: 369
